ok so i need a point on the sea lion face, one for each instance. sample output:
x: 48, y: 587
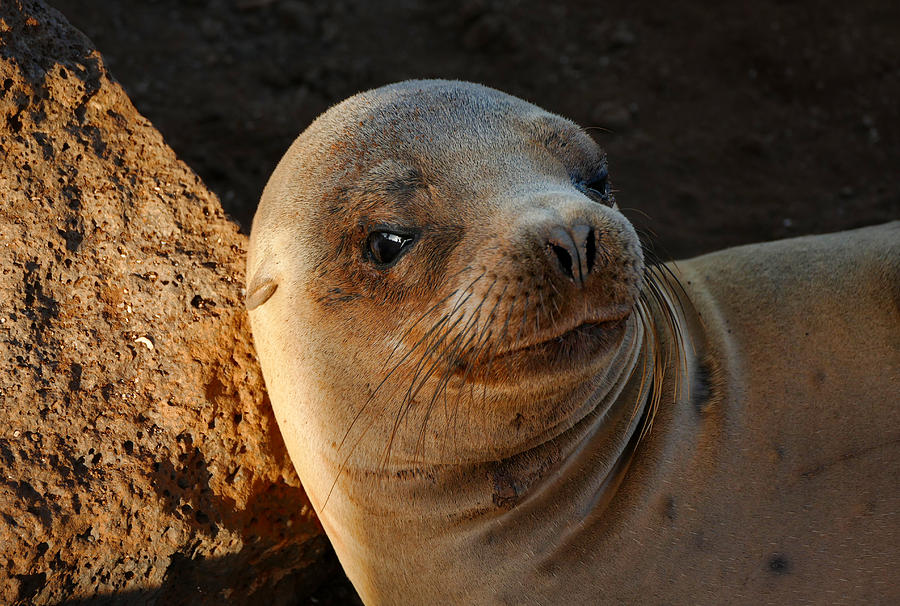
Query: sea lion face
x: 441, y: 258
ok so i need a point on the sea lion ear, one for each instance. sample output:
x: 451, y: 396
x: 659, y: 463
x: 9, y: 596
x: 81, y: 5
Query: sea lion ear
x: 262, y: 286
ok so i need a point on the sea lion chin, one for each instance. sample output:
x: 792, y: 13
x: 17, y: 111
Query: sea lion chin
x: 490, y: 397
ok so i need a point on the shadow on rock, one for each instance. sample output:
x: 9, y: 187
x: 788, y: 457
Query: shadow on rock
x: 199, y: 581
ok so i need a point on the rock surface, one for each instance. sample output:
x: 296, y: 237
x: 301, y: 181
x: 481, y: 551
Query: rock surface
x: 139, y: 458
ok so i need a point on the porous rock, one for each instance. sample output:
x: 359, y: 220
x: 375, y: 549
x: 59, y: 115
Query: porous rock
x: 139, y: 458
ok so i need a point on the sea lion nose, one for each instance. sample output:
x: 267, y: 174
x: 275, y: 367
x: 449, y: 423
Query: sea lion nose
x: 572, y: 250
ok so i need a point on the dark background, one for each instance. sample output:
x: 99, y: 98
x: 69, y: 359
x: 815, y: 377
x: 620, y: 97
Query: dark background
x: 725, y: 124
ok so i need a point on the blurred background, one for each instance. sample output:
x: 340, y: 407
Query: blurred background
x: 725, y: 123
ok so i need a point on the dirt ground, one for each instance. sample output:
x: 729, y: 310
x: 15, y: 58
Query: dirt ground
x: 724, y: 124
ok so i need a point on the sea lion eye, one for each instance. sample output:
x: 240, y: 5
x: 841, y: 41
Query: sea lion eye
x: 598, y: 184
x: 385, y: 247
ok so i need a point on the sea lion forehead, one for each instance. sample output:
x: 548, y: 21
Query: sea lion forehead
x: 434, y: 118
x: 443, y: 103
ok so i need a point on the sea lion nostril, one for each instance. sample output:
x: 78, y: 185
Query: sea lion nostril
x: 565, y: 260
x: 581, y: 234
x: 573, y: 250
x: 568, y: 251
x: 590, y: 250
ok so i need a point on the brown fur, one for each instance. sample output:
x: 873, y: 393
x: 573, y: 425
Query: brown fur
x: 473, y: 427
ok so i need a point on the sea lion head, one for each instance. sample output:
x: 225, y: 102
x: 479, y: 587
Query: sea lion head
x: 438, y: 273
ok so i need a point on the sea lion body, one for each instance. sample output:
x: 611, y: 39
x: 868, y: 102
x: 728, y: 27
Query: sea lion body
x: 783, y: 489
x: 515, y: 409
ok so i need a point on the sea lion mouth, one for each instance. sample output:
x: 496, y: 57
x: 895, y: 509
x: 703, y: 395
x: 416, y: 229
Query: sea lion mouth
x: 570, y: 350
x: 569, y: 339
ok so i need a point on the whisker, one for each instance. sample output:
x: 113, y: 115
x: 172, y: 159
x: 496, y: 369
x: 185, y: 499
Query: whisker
x: 447, y: 354
x: 371, y: 397
x: 474, y: 355
x: 441, y: 389
x: 409, y: 330
x: 451, y: 359
x: 418, y: 381
x: 524, y: 320
x: 436, y: 327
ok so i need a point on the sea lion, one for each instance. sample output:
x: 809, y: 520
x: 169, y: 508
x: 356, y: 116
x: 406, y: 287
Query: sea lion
x: 492, y: 397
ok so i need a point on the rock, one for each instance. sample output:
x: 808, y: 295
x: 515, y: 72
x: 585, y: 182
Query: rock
x: 139, y: 458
